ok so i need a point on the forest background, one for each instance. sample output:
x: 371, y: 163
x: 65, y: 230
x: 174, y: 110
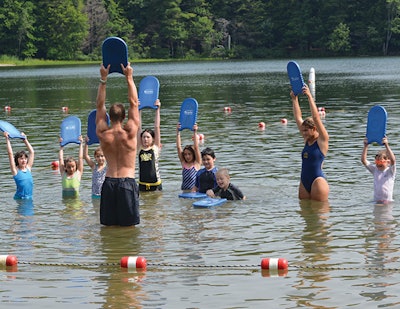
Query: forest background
x: 191, y: 29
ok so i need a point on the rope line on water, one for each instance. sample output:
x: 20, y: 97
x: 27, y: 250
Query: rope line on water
x: 69, y: 264
x: 235, y: 266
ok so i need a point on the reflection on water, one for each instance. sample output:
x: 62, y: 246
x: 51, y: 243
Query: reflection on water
x: 336, y: 248
x: 25, y: 207
x: 124, y: 287
x: 382, y: 234
x: 315, y: 240
x: 379, y: 253
x: 24, y: 226
x: 316, y: 234
x: 73, y: 206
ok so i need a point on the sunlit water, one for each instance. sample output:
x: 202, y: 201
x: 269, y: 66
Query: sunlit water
x: 340, y: 254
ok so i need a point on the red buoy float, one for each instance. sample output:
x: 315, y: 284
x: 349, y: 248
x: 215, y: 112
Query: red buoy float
x: 8, y: 260
x: 227, y: 109
x: 54, y: 165
x: 136, y: 262
x: 274, y: 263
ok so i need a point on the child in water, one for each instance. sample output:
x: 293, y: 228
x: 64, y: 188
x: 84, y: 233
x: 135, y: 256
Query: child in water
x: 71, y: 171
x: 21, y: 165
x: 225, y: 189
x: 384, y: 171
x: 98, y: 167
x: 190, y: 158
x: 149, y: 145
x: 205, y: 178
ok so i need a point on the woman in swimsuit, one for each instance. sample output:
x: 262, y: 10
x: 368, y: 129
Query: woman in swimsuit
x: 313, y: 184
x: 190, y: 158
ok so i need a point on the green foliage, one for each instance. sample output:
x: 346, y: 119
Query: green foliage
x: 340, y: 39
x: 63, y: 28
x: 17, y: 28
x: 186, y: 29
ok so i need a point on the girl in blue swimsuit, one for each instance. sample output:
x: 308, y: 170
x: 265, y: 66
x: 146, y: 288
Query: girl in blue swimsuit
x: 190, y: 158
x: 21, y: 165
x: 313, y: 184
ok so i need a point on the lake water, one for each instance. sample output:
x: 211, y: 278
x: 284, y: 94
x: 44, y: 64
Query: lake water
x: 344, y: 253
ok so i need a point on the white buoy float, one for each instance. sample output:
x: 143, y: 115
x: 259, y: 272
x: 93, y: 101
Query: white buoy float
x: 311, y: 82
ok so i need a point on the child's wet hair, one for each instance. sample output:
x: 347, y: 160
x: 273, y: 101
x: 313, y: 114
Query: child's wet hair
x: 208, y: 152
x: 69, y: 160
x: 98, y: 150
x: 223, y: 172
x: 150, y: 131
x: 190, y: 148
x: 309, y: 123
x: 382, y: 154
x: 20, y: 154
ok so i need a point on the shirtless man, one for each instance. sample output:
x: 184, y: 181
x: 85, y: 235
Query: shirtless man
x: 119, y: 204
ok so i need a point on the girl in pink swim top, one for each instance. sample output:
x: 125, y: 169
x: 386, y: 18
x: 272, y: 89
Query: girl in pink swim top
x: 313, y: 184
x: 190, y: 159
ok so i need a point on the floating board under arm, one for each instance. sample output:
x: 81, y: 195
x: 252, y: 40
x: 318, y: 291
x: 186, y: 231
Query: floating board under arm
x: 209, y: 202
x: 192, y: 195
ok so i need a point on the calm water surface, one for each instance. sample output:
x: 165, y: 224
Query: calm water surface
x: 341, y: 254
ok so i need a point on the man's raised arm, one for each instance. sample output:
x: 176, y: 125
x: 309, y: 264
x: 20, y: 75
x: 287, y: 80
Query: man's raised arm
x: 101, y: 123
x: 133, y: 111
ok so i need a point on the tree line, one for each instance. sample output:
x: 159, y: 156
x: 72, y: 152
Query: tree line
x: 186, y: 29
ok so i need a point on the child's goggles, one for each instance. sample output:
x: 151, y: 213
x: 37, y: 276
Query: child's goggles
x: 380, y: 161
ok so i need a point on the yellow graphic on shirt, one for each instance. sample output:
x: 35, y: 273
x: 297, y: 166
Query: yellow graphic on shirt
x: 305, y: 155
x: 146, y: 156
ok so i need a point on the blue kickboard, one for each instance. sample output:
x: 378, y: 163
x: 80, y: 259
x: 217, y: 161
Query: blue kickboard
x: 295, y: 77
x: 188, y: 114
x: 376, y: 124
x: 192, y: 195
x: 70, y: 130
x: 91, y: 127
x: 209, y: 202
x: 149, y: 89
x: 115, y: 52
x: 12, y: 131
